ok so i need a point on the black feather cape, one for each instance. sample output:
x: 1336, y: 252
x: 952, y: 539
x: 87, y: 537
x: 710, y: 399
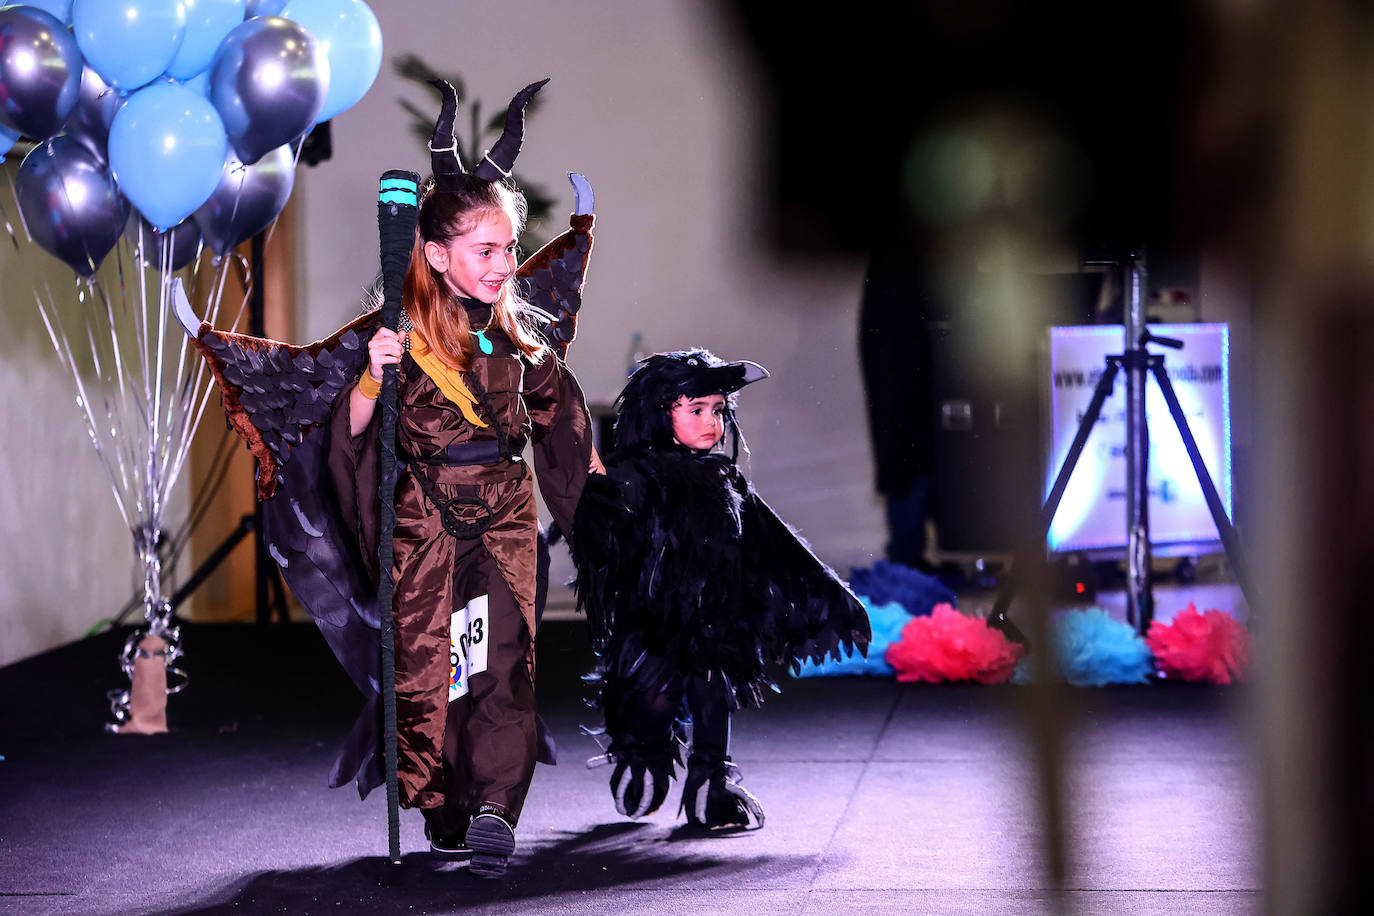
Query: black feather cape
x: 676, y: 553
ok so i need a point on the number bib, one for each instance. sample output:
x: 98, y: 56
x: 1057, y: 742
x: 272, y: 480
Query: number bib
x: 467, y: 645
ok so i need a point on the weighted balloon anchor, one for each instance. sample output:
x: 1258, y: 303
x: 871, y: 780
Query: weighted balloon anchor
x: 150, y: 655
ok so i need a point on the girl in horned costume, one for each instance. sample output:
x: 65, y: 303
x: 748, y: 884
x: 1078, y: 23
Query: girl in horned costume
x: 480, y: 374
x: 475, y: 383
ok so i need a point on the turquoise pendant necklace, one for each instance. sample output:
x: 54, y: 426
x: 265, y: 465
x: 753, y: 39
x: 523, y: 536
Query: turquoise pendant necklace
x: 482, y: 343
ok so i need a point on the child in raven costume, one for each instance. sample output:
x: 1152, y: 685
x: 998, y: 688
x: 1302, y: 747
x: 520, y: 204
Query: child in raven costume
x: 691, y: 585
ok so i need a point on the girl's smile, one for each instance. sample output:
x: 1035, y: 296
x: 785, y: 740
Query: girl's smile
x: 478, y: 263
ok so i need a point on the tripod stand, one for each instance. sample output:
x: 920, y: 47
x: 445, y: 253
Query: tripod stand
x: 1138, y: 363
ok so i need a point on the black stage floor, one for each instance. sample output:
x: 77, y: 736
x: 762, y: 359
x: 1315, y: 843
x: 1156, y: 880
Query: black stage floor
x: 881, y: 798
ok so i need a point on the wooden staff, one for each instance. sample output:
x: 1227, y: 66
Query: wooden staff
x: 397, y: 205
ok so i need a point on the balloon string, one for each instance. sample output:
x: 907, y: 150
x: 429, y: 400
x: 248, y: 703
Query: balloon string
x: 181, y: 367
x: 116, y: 426
x: 203, y: 387
x: 9, y: 227
x: 242, y: 174
x: 135, y: 410
x: 186, y: 371
x: 57, y: 334
x: 14, y: 194
x: 295, y: 161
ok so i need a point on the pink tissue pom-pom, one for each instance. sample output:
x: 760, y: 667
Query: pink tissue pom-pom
x: 1211, y: 647
x: 949, y: 646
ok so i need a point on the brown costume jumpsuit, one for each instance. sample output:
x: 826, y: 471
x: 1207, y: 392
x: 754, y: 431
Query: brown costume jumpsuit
x: 480, y: 748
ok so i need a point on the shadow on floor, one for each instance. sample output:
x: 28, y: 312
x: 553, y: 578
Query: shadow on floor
x: 606, y: 857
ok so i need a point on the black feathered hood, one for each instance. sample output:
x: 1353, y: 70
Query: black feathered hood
x: 642, y: 407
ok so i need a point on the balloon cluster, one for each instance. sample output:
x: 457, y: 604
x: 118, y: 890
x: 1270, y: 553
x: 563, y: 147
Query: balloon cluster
x: 184, y: 110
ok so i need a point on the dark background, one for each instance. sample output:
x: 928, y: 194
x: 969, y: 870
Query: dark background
x: 854, y: 84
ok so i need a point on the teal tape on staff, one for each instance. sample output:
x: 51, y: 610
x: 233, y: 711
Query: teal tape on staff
x: 395, y: 190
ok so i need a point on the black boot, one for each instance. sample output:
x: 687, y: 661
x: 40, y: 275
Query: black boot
x: 491, y: 836
x: 640, y: 780
x: 714, y: 797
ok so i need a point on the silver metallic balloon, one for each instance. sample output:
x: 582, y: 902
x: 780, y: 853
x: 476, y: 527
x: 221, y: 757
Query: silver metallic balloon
x: 40, y: 71
x: 268, y: 82
x: 184, y: 239
x: 96, y: 105
x: 70, y: 203
x: 247, y: 199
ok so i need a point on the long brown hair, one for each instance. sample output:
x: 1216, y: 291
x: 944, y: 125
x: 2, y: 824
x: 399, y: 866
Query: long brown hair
x: 443, y: 216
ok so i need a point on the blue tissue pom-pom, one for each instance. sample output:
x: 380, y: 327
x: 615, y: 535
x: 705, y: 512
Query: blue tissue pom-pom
x: 912, y: 589
x: 886, y: 621
x: 1091, y: 649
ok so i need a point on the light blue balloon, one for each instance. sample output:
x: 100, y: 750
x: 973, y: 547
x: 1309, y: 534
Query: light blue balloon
x: 61, y: 9
x: 7, y: 140
x: 199, y: 83
x: 207, y: 22
x: 264, y: 8
x: 167, y: 145
x: 351, y: 39
x: 129, y: 42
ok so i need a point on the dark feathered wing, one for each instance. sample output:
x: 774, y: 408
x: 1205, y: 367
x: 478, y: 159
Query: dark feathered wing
x: 691, y: 564
x: 279, y: 398
x: 812, y: 613
x: 602, y: 551
x: 275, y: 394
x: 551, y: 279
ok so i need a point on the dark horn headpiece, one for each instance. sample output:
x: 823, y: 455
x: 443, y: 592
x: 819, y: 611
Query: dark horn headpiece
x: 449, y: 174
x: 443, y: 149
x: 500, y: 159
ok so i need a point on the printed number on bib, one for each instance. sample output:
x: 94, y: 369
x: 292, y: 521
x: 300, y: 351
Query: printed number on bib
x: 468, y: 636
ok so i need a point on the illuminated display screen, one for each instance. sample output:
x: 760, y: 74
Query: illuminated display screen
x: 1092, y: 514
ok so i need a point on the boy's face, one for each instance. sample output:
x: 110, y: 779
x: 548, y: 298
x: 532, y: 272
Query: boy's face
x: 698, y: 423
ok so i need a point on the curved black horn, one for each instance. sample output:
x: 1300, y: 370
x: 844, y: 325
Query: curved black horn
x: 498, y: 162
x: 443, y: 149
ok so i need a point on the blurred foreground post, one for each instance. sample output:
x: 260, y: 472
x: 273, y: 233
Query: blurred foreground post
x: 1315, y: 471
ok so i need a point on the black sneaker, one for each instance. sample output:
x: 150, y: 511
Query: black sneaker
x: 448, y: 844
x: 491, y: 837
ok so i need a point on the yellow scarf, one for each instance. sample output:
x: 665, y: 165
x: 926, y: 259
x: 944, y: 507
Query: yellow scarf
x: 449, y: 381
